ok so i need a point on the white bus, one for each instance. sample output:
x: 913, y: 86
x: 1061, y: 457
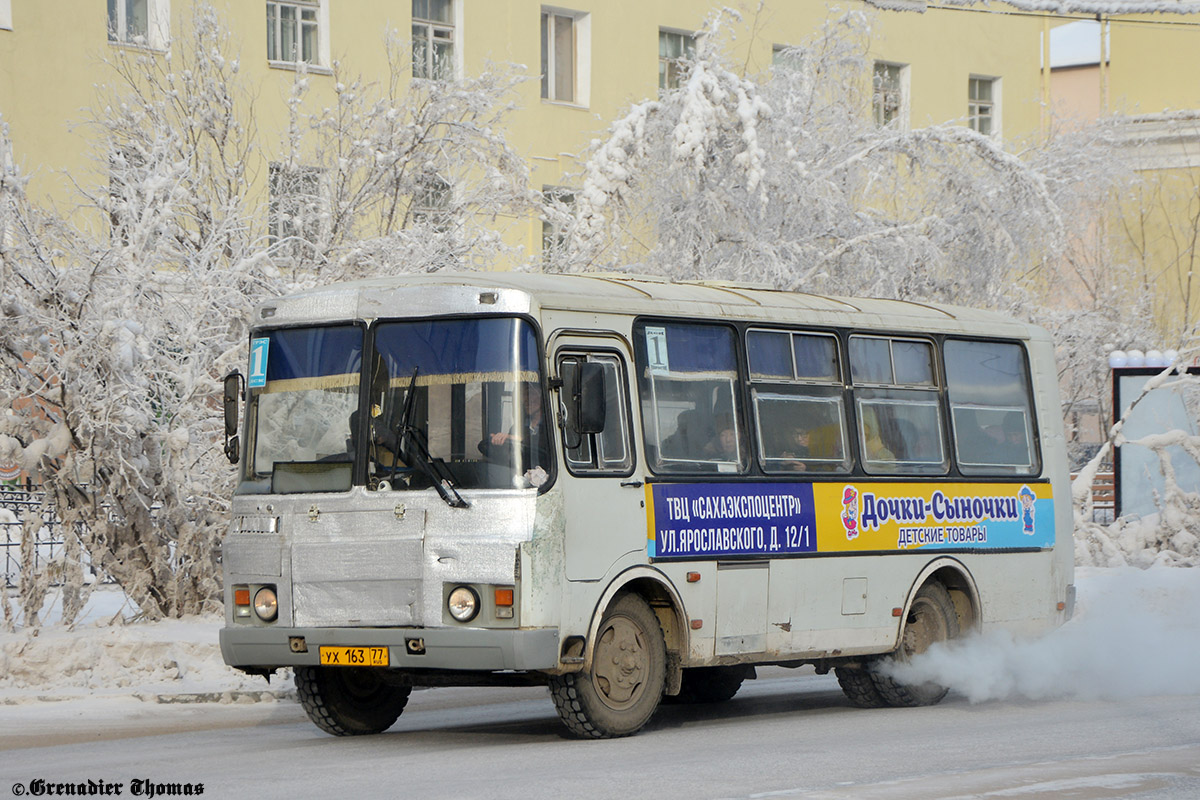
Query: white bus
x: 632, y: 490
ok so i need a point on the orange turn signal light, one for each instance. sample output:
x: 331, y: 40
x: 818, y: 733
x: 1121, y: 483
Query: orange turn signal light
x: 693, y: 577
x: 504, y: 597
x: 697, y: 624
x: 241, y: 597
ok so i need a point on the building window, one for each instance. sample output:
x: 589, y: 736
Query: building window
x: 433, y: 39
x: 431, y: 202
x: 295, y: 207
x: 128, y: 21
x: 293, y: 32
x: 982, y: 95
x: 887, y: 97
x: 558, y: 57
x: 566, y: 54
x: 785, y: 56
x: 137, y: 22
x: 673, y: 50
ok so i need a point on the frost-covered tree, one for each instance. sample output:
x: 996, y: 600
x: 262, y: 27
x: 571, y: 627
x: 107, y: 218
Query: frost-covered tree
x: 404, y: 174
x: 117, y: 324
x: 788, y: 180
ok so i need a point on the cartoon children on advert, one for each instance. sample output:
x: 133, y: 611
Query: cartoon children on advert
x: 850, y: 512
x: 1027, y: 497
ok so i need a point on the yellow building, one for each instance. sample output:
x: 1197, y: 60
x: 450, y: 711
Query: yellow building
x: 587, y: 60
x: 598, y: 56
x: 1128, y: 69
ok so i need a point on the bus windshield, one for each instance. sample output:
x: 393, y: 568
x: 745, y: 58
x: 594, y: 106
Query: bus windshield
x: 300, y: 417
x: 454, y: 402
x: 476, y: 405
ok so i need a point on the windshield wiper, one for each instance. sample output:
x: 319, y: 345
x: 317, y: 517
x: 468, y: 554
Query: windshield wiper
x: 412, y: 444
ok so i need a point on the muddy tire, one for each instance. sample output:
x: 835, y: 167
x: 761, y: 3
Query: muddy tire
x: 621, y: 691
x: 347, y: 701
x: 931, y: 618
x: 710, y: 684
x: 859, y: 687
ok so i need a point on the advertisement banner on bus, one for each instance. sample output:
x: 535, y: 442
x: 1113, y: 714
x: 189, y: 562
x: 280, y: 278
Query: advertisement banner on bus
x: 715, y: 520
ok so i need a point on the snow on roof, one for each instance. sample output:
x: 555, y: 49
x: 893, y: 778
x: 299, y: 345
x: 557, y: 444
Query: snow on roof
x: 1090, y: 7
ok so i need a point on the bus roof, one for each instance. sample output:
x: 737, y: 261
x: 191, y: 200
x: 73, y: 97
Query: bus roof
x: 630, y: 295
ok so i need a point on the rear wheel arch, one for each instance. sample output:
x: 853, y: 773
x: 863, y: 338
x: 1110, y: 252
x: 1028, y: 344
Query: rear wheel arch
x: 957, y: 580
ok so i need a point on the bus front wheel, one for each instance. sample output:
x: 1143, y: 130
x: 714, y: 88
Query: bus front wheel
x: 931, y: 618
x: 350, y: 701
x: 622, y: 689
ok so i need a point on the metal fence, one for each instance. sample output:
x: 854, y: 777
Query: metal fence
x: 25, y: 502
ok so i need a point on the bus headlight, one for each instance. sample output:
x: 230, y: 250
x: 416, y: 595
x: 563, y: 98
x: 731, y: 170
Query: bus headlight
x: 463, y: 603
x: 266, y: 604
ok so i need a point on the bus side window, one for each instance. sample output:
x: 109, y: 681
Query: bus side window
x: 898, y: 410
x: 797, y: 398
x: 687, y: 376
x: 607, y: 452
x: 991, y: 411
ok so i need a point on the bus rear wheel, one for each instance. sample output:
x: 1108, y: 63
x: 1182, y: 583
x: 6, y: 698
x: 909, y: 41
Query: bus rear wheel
x: 349, y: 701
x: 859, y: 687
x: 931, y: 618
x: 622, y: 689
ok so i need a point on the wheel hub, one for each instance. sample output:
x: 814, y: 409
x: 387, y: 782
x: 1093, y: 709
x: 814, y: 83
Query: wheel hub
x: 923, y: 629
x: 620, y: 662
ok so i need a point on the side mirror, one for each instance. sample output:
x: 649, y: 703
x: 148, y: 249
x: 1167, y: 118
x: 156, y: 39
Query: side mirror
x: 233, y: 395
x: 591, y: 400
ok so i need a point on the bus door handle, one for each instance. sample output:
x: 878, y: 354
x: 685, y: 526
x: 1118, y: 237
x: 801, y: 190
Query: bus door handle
x: 632, y: 484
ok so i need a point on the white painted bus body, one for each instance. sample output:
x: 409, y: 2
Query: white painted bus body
x: 368, y: 567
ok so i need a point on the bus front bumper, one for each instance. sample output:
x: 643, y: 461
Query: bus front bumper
x: 477, y: 649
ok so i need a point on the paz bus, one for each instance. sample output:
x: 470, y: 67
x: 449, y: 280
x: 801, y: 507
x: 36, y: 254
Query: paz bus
x: 631, y: 490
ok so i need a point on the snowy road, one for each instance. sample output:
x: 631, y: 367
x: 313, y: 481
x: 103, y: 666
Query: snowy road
x: 788, y: 734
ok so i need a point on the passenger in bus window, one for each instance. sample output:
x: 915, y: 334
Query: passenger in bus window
x: 690, y: 439
x: 724, y: 445
x: 530, y: 442
x: 797, y: 449
x: 971, y: 435
x: 873, y: 444
x: 1014, y: 449
x: 905, y: 440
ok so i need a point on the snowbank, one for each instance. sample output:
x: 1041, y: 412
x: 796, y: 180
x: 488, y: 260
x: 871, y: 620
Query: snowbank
x: 1141, y: 543
x: 168, y: 661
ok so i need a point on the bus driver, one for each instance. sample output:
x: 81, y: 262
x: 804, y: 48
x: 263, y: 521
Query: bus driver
x: 530, y: 443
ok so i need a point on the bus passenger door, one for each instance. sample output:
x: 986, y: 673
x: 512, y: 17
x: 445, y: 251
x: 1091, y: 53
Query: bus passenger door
x: 602, y: 498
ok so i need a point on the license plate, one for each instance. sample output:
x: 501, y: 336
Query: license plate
x: 354, y: 656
